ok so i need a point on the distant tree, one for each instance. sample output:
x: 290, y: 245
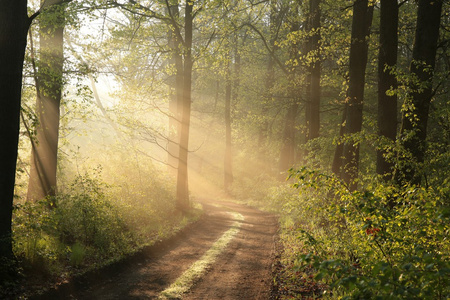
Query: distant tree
x: 175, y: 84
x: 416, y: 108
x: 275, y: 19
x: 182, y: 175
x: 287, y: 153
x: 288, y: 142
x: 228, y: 167
x: 177, y: 43
x: 49, y: 84
x: 314, y: 70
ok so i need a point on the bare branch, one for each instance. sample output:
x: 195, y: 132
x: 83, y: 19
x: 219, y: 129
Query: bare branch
x: 271, y: 51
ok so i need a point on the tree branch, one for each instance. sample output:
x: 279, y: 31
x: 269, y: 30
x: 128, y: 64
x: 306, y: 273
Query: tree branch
x: 271, y: 52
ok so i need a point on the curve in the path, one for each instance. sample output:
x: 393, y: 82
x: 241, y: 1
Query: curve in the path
x: 241, y: 271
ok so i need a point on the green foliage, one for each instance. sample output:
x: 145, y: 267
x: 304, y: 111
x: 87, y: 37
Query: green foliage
x: 91, y: 224
x: 35, y: 241
x: 382, y: 243
x: 83, y: 221
x: 77, y: 254
x: 86, y: 215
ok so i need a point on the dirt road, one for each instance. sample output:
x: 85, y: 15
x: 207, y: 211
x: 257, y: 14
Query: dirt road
x: 242, y: 269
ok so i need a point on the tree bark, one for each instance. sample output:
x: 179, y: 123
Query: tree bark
x: 228, y: 171
x: 287, y: 154
x: 49, y: 83
x: 314, y: 72
x: 269, y: 80
x: 362, y: 20
x: 14, y: 24
x: 336, y: 167
x: 387, y: 60
x: 182, y: 177
x: 176, y: 98
x: 415, y: 117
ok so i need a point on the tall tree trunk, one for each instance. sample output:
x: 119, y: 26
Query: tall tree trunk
x: 228, y: 171
x: 176, y: 98
x: 182, y: 178
x: 387, y: 60
x: 269, y: 80
x: 267, y: 98
x: 362, y: 20
x: 287, y: 153
x: 14, y: 25
x: 49, y: 87
x: 415, y: 117
x: 237, y: 71
x: 231, y: 96
x: 314, y: 72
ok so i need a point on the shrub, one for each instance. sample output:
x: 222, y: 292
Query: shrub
x: 384, y: 242
x: 35, y: 236
x: 86, y: 215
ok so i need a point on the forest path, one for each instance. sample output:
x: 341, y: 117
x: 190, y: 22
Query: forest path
x: 242, y: 270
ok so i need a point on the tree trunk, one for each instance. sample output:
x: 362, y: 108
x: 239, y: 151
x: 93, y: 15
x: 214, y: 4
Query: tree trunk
x: 387, y: 59
x: 415, y: 117
x: 362, y: 20
x: 228, y: 171
x: 336, y: 167
x: 267, y: 98
x: 314, y: 72
x: 182, y: 178
x: 269, y: 81
x: 176, y: 98
x: 287, y: 154
x: 49, y: 87
x: 14, y: 25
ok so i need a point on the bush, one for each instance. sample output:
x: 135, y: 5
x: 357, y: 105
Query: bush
x: 384, y: 242
x: 86, y: 215
x: 90, y: 223
x: 35, y: 236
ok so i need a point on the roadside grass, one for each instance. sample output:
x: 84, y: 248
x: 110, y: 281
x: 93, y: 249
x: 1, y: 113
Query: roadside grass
x: 92, y: 225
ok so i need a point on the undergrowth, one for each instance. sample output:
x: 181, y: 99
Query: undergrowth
x: 90, y: 224
x: 383, y: 242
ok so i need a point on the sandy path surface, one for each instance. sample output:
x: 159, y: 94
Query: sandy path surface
x: 241, y: 271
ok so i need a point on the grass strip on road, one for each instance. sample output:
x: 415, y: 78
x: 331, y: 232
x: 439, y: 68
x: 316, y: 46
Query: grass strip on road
x: 186, y: 280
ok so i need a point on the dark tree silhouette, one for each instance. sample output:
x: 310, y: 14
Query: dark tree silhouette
x: 387, y: 60
x: 415, y: 116
x: 362, y: 20
x: 314, y: 69
x: 14, y: 24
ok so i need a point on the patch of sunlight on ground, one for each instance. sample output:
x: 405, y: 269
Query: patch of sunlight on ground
x: 185, y: 281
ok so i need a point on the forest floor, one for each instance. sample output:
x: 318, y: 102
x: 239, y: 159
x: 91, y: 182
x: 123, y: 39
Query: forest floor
x: 239, y: 267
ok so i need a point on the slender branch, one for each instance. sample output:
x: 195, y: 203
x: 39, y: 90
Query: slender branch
x: 156, y: 159
x: 271, y: 52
